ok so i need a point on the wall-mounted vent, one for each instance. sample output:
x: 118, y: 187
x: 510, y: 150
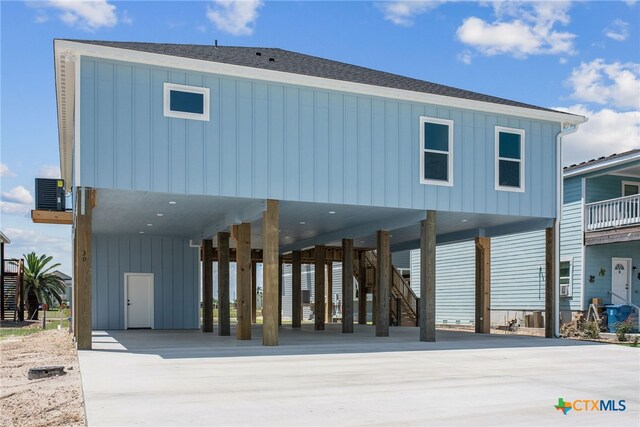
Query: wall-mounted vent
x: 50, y: 194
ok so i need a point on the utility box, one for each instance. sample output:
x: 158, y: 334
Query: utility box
x: 50, y: 194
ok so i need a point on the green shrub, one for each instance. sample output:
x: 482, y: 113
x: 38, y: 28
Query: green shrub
x: 590, y: 329
x: 635, y: 341
x: 623, y: 329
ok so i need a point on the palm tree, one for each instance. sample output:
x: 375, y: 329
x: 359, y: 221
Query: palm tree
x: 40, y: 284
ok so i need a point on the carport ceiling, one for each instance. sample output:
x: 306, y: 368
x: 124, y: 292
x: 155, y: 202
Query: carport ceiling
x: 302, y: 224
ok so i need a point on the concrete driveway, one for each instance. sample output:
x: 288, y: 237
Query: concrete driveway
x: 330, y: 379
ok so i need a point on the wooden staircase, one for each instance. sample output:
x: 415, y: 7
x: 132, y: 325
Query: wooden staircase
x: 11, y: 296
x: 404, y: 302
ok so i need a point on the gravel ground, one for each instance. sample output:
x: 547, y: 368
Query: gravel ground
x: 56, y: 401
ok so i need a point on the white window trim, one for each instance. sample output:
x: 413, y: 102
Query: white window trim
x: 168, y: 87
x: 498, y: 158
x: 634, y: 183
x: 446, y: 122
x: 570, y: 261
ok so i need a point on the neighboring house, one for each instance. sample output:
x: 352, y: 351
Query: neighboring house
x: 68, y: 292
x: 176, y: 152
x: 599, y: 256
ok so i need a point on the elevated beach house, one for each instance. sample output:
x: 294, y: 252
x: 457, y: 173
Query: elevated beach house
x: 179, y: 156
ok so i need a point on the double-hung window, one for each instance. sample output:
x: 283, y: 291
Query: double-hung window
x: 186, y: 102
x: 509, y: 159
x: 436, y: 151
x: 566, y: 271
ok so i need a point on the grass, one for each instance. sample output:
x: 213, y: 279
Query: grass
x: 53, y: 321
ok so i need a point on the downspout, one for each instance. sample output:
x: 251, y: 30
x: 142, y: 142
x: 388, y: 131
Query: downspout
x: 571, y: 128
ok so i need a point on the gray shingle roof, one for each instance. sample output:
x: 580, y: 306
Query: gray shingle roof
x: 600, y: 160
x: 298, y: 63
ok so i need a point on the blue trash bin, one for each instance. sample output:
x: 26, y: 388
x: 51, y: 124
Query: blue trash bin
x: 617, y: 313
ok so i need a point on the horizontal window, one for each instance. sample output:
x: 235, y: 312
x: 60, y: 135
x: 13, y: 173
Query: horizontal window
x: 436, y: 151
x: 186, y: 102
x: 509, y: 159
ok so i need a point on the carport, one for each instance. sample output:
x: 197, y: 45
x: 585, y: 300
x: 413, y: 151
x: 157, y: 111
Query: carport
x: 189, y: 378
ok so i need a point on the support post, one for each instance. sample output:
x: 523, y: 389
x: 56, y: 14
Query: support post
x: 296, y: 289
x: 383, y: 281
x: 254, y: 291
x: 328, y: 315
x: 224, y: 311
x: 347, y: 286
x: 318, y: 311
x: 427, y: 316
x: 280, y: 288
x: 483, y: 285
x: 549, y: 276
x: 270, y: 238
x: 362, y: 293
x: 243, y: 287
x: 83, y: 243
x: 206, y: 246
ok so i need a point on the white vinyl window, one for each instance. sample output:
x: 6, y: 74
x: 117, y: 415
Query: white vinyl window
x: 186, y: 102
x: 630, y: 188
x: 566, y: 273
x: 436, y: 151
x: 509, y: 168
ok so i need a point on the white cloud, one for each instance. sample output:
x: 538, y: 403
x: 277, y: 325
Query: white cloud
x: 520, y: 29
x: 87, y: 15
x: 18, y: 194
x: 49, y: 171
x: 404, y: 12
x: 618, y: 30
x: 10, y: 208
x: 631, y: 3
x: 607, y: 83
x: 24, y: 241
x: 465, y: 57
x: 5, y: 171
x: 236, y: 17
x: 607, y: 132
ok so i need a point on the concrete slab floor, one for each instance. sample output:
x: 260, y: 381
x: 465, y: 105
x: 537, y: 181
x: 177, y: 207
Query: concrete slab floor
x: 329, y: 378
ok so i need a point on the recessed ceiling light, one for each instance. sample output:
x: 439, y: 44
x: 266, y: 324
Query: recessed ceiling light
x: 332, y: 212
x: 465, y: 220
x: 142, y: 232
x: 149, y: 225
x: 302, y: 223
x: 172, y: 202
x: 160, y: 214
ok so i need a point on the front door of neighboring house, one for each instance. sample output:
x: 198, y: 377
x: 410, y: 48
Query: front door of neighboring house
x: 620, y: 280
x: 138, y: 291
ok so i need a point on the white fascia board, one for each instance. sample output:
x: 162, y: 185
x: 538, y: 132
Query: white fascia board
x: 310, y: 81
x: 66, y: 67
x: 604, y: 165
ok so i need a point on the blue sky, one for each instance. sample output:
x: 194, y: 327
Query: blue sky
x: 580, y: 56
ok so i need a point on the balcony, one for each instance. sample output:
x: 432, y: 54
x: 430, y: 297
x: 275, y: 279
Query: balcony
x: 613, y: 220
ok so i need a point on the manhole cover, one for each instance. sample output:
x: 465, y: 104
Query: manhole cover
x: 45, y: 372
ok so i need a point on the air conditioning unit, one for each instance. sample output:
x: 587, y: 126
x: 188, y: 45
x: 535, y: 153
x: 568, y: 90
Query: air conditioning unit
x: 565, y: 290
x: 50, y: 194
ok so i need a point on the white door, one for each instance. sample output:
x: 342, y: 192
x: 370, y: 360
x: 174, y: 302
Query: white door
x: 620, y: 280
x: 138, y: 290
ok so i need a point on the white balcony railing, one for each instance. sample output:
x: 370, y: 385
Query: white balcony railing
x: 612, y: 213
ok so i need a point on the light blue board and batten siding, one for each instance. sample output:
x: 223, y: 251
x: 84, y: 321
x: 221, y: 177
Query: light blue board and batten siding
x: 269, y: 140
x: 175, y: 268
